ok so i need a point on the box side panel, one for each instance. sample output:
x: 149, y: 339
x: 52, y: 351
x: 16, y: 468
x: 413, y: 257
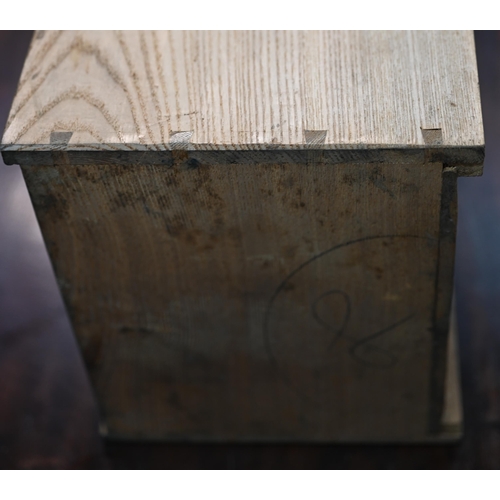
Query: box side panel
x: 444, y: 296
x: 265, y: 302
x: 452, y: 414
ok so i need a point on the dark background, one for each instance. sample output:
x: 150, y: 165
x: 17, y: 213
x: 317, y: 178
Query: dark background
x: 48, y: 417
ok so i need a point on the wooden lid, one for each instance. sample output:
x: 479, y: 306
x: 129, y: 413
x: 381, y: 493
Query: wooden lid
x: 248, y: 96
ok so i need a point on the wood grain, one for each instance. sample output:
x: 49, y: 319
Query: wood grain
x: 478, y: 296
x: 245, y: 91
x: 48, y: 414
x: 231, y: 302
x: 263, y: 245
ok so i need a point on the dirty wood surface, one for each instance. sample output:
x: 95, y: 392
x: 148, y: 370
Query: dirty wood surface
x: 265, y: 302
x: 47, y: 414
x: 357, y: 93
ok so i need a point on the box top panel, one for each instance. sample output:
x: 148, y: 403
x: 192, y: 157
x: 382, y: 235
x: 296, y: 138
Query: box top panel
x: 248, y: 91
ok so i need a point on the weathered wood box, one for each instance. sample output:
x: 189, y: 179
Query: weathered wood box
x: 254, y: 232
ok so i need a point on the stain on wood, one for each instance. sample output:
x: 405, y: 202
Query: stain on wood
x: 244, y: 302
x: 254, y: 231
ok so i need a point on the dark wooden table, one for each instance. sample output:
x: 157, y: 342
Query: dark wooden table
x: 48, y: 417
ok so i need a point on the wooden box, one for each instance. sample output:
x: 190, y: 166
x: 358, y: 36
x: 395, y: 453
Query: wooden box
x: 254, y: 232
